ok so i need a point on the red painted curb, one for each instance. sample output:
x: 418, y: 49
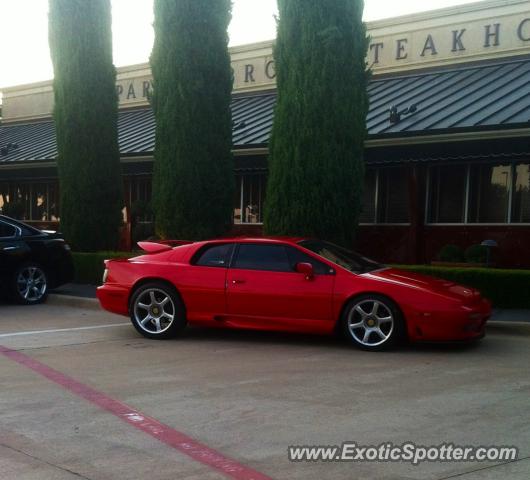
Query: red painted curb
x: 165, y: 434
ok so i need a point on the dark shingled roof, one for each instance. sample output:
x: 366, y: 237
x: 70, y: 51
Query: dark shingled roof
x: 461, y: 98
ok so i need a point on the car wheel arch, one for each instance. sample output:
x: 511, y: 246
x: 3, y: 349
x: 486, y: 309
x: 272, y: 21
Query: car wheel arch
x: 355, y: 295
x: 147, y: 280
x: 29, y: 262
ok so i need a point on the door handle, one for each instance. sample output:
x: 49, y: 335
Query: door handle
x: 237, y: 282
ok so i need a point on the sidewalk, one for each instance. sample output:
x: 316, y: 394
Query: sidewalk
x: 500, y: 315
x: 89, y: 291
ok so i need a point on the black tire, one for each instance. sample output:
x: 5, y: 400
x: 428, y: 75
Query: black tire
x: 151, y: 307
x: 29, y: 284
x: 380, y: 324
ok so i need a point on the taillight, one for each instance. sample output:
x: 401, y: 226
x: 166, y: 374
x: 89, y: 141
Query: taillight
x: 105, y: 275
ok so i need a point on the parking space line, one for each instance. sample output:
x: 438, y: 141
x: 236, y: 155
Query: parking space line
x: 57, y: 330
x: 165, y: 434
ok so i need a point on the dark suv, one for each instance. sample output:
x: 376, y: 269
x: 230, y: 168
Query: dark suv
x: 32, y: 261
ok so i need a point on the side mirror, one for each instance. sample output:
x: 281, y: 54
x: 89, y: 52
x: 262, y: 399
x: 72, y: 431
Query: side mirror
x: 306, y: 269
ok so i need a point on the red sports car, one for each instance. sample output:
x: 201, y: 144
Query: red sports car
x: 287, y: 284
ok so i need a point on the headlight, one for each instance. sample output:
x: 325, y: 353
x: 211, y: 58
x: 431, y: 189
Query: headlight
x: 105, y: 275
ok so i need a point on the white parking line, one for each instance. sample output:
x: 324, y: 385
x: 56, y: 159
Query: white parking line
x: 38, y: 332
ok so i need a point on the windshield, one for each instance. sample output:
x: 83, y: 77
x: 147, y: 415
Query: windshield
x: 341, y: 256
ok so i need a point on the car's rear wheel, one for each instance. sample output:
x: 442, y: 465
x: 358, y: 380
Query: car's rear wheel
x: 29, y: 284
x: 372, y: 322
x: 157, y: 311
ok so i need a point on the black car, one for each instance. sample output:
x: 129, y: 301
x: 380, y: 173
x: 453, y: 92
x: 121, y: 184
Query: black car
x: 32, y: 261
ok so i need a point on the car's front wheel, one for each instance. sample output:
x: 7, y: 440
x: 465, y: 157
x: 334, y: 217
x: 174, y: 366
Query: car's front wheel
x: 29, y: 284
x: 157, y: 311
x: 372, y: 322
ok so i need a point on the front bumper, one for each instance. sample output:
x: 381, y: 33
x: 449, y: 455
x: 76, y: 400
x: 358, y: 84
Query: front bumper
x: 114, y: 298
x: 464, y: 324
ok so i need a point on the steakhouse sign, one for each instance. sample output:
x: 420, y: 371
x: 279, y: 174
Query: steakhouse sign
x: 390, y: 49
x: 473, y: 39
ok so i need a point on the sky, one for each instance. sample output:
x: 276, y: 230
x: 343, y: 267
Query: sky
x: 25, y: 58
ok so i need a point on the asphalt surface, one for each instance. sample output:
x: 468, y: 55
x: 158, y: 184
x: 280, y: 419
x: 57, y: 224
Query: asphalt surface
x: 70, y: 375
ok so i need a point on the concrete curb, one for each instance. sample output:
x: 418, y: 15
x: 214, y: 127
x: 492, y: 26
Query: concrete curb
x: 496, y: 323
x: 76, y: 302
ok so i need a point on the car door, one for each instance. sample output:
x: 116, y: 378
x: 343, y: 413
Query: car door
x: 265, y: 292
x: 13, y: 249
x: 203, y: 283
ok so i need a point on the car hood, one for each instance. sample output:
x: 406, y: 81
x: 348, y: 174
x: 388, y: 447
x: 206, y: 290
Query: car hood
x: 424, y: 282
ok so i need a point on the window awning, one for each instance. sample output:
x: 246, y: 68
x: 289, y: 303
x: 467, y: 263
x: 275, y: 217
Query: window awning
x: 449, y: 100
x: 468, y: 152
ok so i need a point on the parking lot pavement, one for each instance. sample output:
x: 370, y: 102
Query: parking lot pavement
x: 67, y: 375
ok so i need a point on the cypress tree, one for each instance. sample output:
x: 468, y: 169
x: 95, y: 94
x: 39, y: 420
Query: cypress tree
x: 316, y: 167
x: 193, y: 174
x: 85, y: 114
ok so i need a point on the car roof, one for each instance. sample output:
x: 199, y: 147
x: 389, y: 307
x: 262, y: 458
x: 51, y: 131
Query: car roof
x: 291, y: 240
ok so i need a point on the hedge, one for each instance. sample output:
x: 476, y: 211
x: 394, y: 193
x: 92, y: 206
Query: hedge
x: 505, y: 288
x: 89, y: 267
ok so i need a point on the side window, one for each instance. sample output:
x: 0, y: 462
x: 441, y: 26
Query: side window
x: 7, y: 230
x: 262, y: 257
x: 215, y: 256
x: 26, y: 232
x: 296, y: 256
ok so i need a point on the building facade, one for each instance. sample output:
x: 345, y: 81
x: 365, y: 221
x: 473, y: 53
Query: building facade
x: 448, y: 148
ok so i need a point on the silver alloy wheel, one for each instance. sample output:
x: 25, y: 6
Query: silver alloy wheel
x: 31, y: 283
x: 154, y: 311
x: 370, y: 322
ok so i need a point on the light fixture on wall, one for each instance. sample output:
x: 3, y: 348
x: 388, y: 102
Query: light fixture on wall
x: 489, y: 244
x: 395, y: 115
x: 4, y: 151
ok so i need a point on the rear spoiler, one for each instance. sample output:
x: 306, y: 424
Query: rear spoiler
x: 162, y: 245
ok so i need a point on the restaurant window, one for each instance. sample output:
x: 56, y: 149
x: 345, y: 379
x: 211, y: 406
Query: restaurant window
x: 393, y: 192
x: 493, y: 193
x: 489, y: 191
x: 521, y: 194
x: 249, y: 198
x: 20, y: 200
x: 447, y: 194
x: 35, y: 201
x: 44, y: 202
x: 4, y: 195
x: 369, y: 194
x: 140, y: 196
x: 386, y: 196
